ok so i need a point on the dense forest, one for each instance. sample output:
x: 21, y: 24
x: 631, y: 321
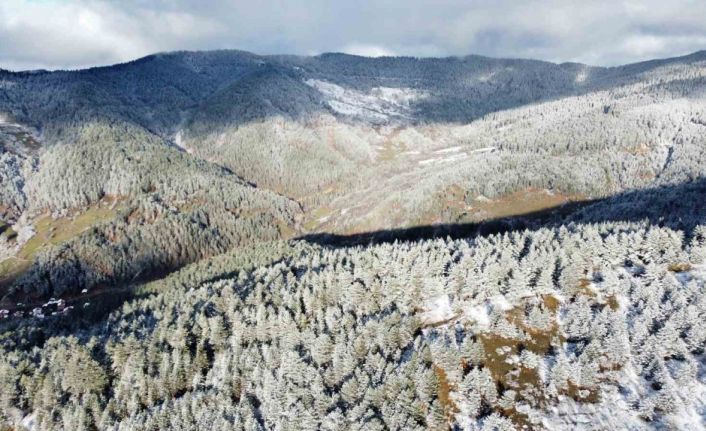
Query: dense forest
x: 602, y: 320
x: 221, y: 240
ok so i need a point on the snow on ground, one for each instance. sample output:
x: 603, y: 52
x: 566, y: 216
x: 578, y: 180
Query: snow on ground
x: 611, y: 413
x: 397, y: 96
x: 449, y: 150
x: 437, y: 310
x: 179, y: 141
x: 692, y: 416
x: 379, y: 104
x: 697, y: 273
x: 581, y: 77
x: 616, y: 409
x: 427, y: 161
x: 455, y: 155
x: 24, y: 232
x: 501, y: 303
x: 479, y: 314
x: 449, y: 159
x: 29, y: 422
x: 355, y: 110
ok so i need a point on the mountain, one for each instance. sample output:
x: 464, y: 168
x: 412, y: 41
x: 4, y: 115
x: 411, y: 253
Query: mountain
x: 223, y: 240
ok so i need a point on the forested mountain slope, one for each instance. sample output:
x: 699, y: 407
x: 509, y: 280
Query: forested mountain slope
x: 569, y: 293
x: 646, y: 130
x: 117, y: 204
x: 556, y: 328
x: 360, y: 144
x: 157, y: 91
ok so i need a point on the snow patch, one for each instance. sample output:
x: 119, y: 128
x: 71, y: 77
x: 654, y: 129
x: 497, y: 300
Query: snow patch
x: 486, y: 77
x: 377, y: 105
x: 449, y: 150
x: 24, y: 232
x: 697, y: 273
x: 179, y: 141
x: 480, y: 314
x: 610, y: 413
x: 29, y: 422
x: 615, y: 411
x: 501, y: 303
x: 437, y: 310
x: 438, y: 160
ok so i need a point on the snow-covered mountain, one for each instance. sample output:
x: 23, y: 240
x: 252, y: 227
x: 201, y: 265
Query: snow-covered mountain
x: 222, y: 240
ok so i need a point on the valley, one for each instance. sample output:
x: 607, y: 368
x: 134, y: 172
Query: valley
x: 224, y: 240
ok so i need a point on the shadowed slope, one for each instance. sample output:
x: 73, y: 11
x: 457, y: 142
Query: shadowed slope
x: 680, y: 207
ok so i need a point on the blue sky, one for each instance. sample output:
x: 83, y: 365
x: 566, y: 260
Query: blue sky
x: 80, y: 33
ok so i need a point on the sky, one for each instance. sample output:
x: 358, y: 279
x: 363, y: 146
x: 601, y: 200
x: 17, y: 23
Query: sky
x: 71, y: 34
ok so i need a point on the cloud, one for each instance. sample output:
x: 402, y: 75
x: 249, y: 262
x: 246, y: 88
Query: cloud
x: 367, y: 50
x: 72, y: 34
x: 80, y: 33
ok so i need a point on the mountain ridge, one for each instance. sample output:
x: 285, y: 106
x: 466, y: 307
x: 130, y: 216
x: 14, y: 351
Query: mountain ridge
x: 229, y: 51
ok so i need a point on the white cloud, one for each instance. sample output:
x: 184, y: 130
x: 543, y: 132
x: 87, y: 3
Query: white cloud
x: 367, y: 50
x: 79, y: 33
x: 65, y: 34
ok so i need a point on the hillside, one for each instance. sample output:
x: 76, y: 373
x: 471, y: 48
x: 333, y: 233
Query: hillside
x: 137, y: 208
x: 223, y: 240
x: 599, y: 324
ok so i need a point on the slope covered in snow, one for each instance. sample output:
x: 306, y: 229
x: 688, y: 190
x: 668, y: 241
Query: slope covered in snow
x: 580, y: 327
x: 483, y: 244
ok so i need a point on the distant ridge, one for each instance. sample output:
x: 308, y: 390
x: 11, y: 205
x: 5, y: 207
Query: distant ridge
x: 695, y: 56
